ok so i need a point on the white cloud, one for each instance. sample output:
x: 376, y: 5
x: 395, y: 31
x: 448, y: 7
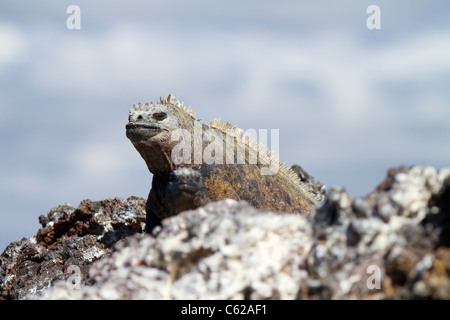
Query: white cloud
x: 416, y: 57
x: 12, y: 45
x: 131, y: 60
x: 99, y: 162
x: 321, y: 88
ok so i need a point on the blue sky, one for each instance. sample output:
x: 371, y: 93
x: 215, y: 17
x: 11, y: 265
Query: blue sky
x: 349, y: 102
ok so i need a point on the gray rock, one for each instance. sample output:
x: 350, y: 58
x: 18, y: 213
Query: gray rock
x: 391, y: 244
x: 70, y: 241
x: 225, y: 250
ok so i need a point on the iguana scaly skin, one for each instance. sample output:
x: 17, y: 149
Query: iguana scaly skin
x: 168, y: 137
x: 185, y: 190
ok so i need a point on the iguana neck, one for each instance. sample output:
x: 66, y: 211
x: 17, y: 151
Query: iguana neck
x: 158, y: 163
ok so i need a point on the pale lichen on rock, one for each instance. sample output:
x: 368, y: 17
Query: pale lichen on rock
x: 392, y: 244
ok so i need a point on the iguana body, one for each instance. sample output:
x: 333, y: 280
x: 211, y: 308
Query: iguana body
x: 168, y: 137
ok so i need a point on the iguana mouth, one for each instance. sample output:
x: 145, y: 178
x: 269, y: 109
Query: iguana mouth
x: 136, y: 125
x: 142, y: 131
x: 184, y: 188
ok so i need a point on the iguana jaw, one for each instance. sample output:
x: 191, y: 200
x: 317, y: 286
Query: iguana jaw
x: 141, y: 132
x: 184, y: 188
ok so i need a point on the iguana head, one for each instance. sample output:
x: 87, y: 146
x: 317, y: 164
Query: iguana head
x: 186, y: 190
x: 150, y: 127
x: 152, y: 121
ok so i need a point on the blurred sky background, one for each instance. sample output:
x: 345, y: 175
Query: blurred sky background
x: 349, y: 102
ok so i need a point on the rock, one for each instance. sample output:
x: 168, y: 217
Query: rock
x: 395, y: 229
x: 69, y: 237
x: 391, y: 244
x: 225, y: 250
x: 318, y: 188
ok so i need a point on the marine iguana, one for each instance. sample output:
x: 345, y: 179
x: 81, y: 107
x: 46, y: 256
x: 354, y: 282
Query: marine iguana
x: 218, y: 160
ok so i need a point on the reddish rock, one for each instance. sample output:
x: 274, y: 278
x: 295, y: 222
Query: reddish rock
x: 69, y: 237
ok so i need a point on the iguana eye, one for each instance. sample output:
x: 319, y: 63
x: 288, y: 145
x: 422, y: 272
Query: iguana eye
x: 160, y: 116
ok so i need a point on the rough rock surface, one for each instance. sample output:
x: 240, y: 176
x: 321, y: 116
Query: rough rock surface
x: 391, y: 244
x: 318, y: 188
x: 69, y: 237
x: 225, y: 250
x: 399, y: 230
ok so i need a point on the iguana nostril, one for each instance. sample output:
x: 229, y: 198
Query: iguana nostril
x: 140, y: 117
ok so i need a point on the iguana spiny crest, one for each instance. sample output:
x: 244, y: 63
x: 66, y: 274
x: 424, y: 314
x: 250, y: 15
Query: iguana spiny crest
x: 219, y: 159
